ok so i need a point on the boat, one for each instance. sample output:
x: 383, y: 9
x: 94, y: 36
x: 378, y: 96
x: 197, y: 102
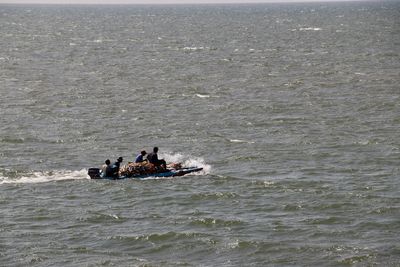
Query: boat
x: 177, y: 170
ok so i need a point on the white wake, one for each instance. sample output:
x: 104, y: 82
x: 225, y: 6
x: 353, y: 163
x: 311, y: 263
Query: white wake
x: 45, y: 176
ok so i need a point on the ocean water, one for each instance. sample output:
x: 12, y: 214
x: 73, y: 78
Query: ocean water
x: 293, y: 110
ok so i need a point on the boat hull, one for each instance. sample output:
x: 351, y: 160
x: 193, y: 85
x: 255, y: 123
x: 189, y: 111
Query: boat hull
x: 94, y: 173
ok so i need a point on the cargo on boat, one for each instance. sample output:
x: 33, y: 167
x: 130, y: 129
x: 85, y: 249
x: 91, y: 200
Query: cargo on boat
x: 144, y: 170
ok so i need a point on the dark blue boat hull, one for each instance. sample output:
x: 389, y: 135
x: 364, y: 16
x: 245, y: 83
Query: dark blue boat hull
x: 94, y: 173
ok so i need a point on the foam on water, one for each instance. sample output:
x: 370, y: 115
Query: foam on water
x: 188, y: 161
x: 202, y: 96
x: 240, y: 141
x: 45, y: 176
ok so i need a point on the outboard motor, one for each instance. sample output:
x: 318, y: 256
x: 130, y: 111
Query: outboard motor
x: 94, y: 173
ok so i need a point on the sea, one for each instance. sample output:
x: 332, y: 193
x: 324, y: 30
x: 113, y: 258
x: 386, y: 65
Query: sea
x: 292, y: 110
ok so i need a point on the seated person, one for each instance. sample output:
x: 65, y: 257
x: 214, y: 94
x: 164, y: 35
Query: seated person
x: 139, y: 158
x: 107, y: 169
x: 115, y: 167
x: 153, y: 158
x: 105, y: 165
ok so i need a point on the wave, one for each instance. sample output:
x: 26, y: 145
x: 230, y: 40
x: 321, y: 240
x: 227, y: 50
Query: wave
x: 202, y: 96
x: 310, y: 29
x: 215, y: 222
x: 158, y: 237
x: 214, y: 196
x: 43, y: 176
x: 241, y: 141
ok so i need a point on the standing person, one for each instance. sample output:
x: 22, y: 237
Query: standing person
x: 153, y: 158
x: 139, y: 158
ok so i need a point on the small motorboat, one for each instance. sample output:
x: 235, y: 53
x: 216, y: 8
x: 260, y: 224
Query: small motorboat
x: 177, y: 170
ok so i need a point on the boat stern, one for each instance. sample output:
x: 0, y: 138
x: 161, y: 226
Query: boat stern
x: 94, y: 173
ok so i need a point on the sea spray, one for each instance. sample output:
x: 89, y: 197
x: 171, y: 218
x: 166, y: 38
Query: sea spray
x: 187, y: 161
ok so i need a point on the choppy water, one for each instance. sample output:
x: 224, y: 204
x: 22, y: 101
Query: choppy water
x: 293, y: 110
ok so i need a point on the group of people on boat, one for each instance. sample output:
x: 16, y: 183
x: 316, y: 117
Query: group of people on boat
x: 109, y: 170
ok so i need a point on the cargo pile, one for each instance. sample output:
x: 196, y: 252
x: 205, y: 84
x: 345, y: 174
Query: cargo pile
x: 133, y: 169
x: 145, y: 168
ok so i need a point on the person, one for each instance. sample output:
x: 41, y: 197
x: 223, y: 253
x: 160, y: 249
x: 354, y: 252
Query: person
x: 115, y: 167
x: 105, y: 165
x: 105, y: 169
x: 139, y: 158
x: 153, y: 158
x: 118, y: 162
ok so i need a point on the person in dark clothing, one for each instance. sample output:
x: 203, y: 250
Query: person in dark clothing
x: 106, y: 169
x: 115, y: 167
x: 153, y: 158
x: 118, y: 162
x: 105, y: 165
x: 139, y: 158
x: 109, y: 171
